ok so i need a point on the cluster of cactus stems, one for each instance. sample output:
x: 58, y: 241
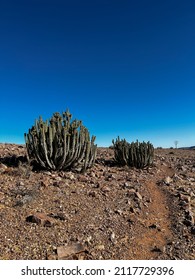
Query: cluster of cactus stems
x: 59, y: 144
x: 135, y: 154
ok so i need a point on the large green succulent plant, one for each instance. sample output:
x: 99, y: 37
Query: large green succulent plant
x: 59, y: 144
x: 135, y: 154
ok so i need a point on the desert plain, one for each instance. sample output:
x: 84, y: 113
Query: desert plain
x: 107, y: 213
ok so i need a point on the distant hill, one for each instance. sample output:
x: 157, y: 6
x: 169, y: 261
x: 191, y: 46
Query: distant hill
x: 187, y: 148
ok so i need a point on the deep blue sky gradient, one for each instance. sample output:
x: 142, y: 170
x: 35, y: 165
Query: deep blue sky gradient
x: 125, y: 68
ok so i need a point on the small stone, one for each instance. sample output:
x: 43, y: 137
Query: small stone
x: 68, y: 251
x: 105, y: 189
x: 185, y: 198
x: 119, y: 211
x: 127, y: 185
x: 99, y: 247
x: 47, y: 173
x: 24, y: 200
x: 82, y: 178
x: 96, y: 185
x: 112, y: 238
x: 3, y: 167
x: 40, y: 219
x: 168, y: 180
x: 45, y: 183
x: 69, y: 176
x: 183, y: 168
x: 88, y: 240
x: 177, y: 178
x: 138, y: 195
x: 51, y: 257
x: 113, y: 176
x: 92, y: 174
x: 131, y: 192
x: 132, y: 210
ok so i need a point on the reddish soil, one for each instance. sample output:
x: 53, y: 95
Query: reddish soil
x: 109, y: 212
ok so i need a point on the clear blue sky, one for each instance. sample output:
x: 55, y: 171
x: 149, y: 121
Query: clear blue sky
x: 123, y: 67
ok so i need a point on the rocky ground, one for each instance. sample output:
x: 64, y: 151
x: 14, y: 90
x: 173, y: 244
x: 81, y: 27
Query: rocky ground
x: 108, y: 213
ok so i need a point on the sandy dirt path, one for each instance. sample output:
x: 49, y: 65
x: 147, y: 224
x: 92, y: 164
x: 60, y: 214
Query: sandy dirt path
x: 154, y: 226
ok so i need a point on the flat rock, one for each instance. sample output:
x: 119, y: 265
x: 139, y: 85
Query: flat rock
x: 40, y: 219
x: 68, y: 251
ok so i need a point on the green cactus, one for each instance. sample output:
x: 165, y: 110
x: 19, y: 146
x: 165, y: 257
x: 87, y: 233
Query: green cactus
x: 133, y: 154
x: 60, y: 144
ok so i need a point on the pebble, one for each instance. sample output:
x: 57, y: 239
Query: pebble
x: 99, y: 247
x: 138, y: 195
x: 112, y: 238
x: 168, y: 180
x: 3, y: 167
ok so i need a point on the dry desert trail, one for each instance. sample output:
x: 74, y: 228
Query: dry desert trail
x: 109, y: 212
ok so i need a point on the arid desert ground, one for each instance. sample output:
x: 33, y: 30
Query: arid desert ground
x: 109, y: 212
